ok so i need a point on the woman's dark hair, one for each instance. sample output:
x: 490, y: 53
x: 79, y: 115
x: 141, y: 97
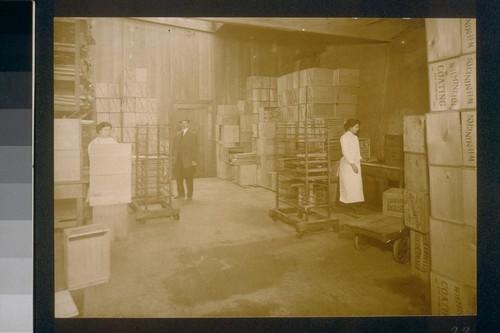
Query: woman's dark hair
x: 350, y: 123
x: 101, y: 125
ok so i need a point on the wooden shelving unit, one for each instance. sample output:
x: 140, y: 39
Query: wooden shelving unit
x: 73, y: 90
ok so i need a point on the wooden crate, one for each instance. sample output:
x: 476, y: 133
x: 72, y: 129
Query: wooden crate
x: 129, y: 119
x: 393, y: 202
x: 468, y: 93
x: 346, y: 111
x: 266, y: 130
x: 246, y: 174
x: 451, y: 298
x: 115, y: 216
x: 346, y: 77
x: 67, y: 134
x: 454, y: 251
x: 444, y: 86
x: 229, y: 133
x: 86, y: 256
x: 316, y: 77
x: 416, y: 172
x: 444, y: 138
x: 315, y: 94
x: 469, y: 138
x: 444, y: 39
x: 222, y: 119
x: 417, y: 211
x: 414, y: 134
x: 345, y: 94
x: 265, y: 146
x: 453, y: 194
x: 110, y: 174
x: 420, y: 252
x: 469, y: 177
x: 469, y: 40
x: 227, y: 109
x: 67, y: 165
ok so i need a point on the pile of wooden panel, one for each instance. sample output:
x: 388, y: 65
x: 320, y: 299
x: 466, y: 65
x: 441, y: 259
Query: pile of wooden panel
x: 451, y: 151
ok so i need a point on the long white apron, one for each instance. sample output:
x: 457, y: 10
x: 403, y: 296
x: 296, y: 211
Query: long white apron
x: 350, y: 183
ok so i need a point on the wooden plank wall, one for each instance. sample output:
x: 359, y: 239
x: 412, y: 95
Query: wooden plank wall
x: 179, y: 63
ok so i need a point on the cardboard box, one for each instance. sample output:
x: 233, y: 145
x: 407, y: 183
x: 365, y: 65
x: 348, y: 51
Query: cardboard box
x: 414, y: 134
x: 454, y: 251
x: 420, y: 250
x: 451, y: 298
x: 444, y: 138
x: 346, y: 77
x: 444, y: 39
x: 393, y: 202
x: 417, y: 211
x: 416, y: 172
x: 469, y: 138
x: 86, y: 255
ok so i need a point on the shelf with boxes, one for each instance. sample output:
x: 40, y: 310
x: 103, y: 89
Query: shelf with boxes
x: 73, y: 90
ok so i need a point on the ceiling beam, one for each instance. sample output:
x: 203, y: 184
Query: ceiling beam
x: 187, y: 23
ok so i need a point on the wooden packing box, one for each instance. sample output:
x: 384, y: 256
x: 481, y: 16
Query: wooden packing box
x: 246, y: 174
x: 241, y: 104
x: 67, y: 134
x: 346, y: 77
x: 416, y: 172
x: 343, y: 110
x: 420, y: 252
x: 469, y: 40
x: 317, y: 94
x: 316, y: 77
x: 444, y: 86
x: 453, y: 193
x: 227, y: 109
x: 265, y: 146
x: 320, y: 110
x: 86, y: 256
x: 115, y: 216
x: 129, y: 119
x: 444, y: 138
x: 141, y: 104
x: 152, y: 105
x: 128, y: 134
x: 454, y: 251
x: 232, y: 119
x: 417, y: 211
x: 229, y: 133
x: 468, y: 93
x: 271, y: 114
x: 393, y: 202
x: 267, y: 130
x: 67, y: 165
x: 444, y: 39
x: 110, y: 174
x: 469, y: 138
x: 128, y: 104
x: 245, y: 137
x: 451, y: 298
x: 414, y: 134
x: 246, y: 121
x: 345, y: 95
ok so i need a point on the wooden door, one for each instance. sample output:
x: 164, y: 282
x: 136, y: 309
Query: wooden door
x: 198, y: 115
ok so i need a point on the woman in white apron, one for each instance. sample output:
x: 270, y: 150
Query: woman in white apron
x: 349, y: 172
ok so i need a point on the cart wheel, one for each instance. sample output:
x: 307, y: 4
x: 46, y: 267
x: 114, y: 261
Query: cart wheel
x: 401, y: 250
x: 300, y: 235
x: 359, y: 243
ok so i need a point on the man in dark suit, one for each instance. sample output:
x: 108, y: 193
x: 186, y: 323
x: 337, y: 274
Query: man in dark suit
x: 184, y: 153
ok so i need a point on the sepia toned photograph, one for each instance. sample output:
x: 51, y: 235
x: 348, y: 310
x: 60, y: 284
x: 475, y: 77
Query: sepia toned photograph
x: 230, y: 167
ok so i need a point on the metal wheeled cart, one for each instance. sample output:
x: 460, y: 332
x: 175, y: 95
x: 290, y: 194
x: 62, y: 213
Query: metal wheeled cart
x: 153, y: 170
x: 386, y: 229
x: 302, y: 182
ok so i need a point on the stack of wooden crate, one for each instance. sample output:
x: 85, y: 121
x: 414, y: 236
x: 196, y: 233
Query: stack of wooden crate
x: 265, y: 153
x: 227, y: 136
x: 318, y: 93
x: 261, y: 93
x: 451, y: 150
x: 416, y: 195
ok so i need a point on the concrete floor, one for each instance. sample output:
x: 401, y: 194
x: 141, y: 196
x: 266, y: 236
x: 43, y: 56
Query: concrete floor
x: 225, y: 257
